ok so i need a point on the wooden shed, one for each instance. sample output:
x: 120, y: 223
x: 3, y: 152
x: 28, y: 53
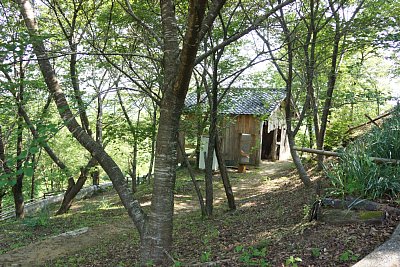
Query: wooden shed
x: 254, y: 113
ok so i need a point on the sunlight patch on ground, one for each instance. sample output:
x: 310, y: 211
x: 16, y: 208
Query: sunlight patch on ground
x: 249, y: 204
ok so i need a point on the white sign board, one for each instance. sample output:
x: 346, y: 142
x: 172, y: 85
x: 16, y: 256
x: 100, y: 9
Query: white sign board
x: 203, y: 154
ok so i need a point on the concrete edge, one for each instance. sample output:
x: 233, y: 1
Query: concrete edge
x: 386, y: 255
x: 42, y: 203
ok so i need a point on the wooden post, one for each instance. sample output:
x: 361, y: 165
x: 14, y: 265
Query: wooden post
x: 274, y: 145
x: 242, y: 168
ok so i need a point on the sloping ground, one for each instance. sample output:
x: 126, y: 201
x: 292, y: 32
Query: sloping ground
x: 268, y: 227
x: 388, y: 254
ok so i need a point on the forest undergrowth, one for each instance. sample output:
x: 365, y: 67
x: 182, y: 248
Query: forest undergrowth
x: 269, y: 228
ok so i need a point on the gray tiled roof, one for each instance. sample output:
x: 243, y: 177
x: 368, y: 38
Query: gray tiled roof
x: 244, y: 101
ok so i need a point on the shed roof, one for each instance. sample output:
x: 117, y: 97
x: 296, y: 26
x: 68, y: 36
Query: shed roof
x: 244, y: 101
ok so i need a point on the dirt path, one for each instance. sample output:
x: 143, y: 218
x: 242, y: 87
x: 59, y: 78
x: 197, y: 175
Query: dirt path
x: 68, y: 243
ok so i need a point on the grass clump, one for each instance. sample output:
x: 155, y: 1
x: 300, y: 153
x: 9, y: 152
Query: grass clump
x: 357, y: 174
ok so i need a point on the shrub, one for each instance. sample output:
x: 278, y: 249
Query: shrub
x: 357, y: 174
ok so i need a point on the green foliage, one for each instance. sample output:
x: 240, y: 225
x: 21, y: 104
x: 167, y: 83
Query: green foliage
x: 306, y: 211
x: 41, y: 220
x: 348, y: 255
x: 205, y: 256
x: 315, y: 252
x: 207, y: 239
x: 252, y: 256
x: 292, y: 261
x: 357, y: 174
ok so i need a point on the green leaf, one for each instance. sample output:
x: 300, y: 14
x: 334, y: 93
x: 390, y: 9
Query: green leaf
x: 34, y: 150
x: 238, y: 248
x: 5, y: 176
x: 3, y: 183
x: 22, y: 155
x: 29, y: 171
x: 345, y: 256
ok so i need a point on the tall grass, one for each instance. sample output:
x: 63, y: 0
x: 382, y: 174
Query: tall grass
x: 355, y: 174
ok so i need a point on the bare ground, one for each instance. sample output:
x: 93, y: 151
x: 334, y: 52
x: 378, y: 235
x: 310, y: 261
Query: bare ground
x: 268, y: 228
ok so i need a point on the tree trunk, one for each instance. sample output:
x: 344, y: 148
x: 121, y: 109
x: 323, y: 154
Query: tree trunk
x: 75, y: 84
x: 288, y: 102
x: 135, y: 152
x: 153, y: 143
x: 3, y: 165
x: 17, y: 187
x: 158, y: 232
x: 329, y: 92
x: 95, y: 176
x: 134, y: 132
x: 2, y: 194
x: 33, y: 176
x: 178, y: 68
x: 193, y: 177
x: 74, y: 188
x: 209, y: 164
x: 224, y: 174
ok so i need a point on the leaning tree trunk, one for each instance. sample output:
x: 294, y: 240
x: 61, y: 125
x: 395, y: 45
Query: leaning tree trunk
x: 74, y: 188
x: 288, y: 102
x: 97, y: 151
x: 209, y: 163
x: 224, y: 174
x: 329, y: 93
x: 193, y: 177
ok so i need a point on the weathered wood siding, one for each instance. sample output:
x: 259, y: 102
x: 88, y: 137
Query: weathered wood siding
x: 231, y: 129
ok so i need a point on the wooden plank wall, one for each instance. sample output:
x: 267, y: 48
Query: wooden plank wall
x: 230, y: 134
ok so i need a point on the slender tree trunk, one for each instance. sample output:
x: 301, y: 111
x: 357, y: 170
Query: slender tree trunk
x: 17, y: 188
x: 135, y: 152
x: 329, y: 92
x: 209, y: 162
x: 95, y: 176
x: 2, y: 194
x: 134, y: 132
x: 32, y: 195
x: 3, y: 165
x: 288, y: 102
x: 75, y: 85
x: 310, y: 132
x: 153, y: 143
x: 193, y: 177
x: 74, y: 188
x: 224, y: 174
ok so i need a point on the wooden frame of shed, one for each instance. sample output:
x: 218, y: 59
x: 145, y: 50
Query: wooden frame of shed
x: 260, y: 113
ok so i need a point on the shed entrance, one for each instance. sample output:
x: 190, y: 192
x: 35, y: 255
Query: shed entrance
x: 270, y: 143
